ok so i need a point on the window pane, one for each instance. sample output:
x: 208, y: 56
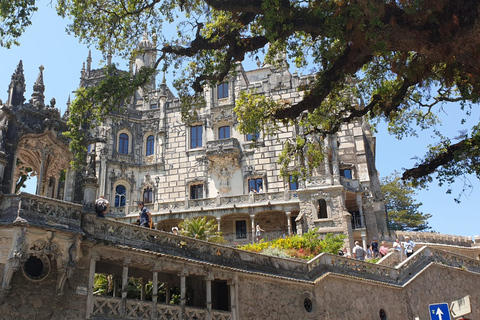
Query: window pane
x: 196, y: 191
x: 241, y: 229
x: 224, y: 132
x: 251, y: 137
x: 120, y: 196
x: 255, y: 184
x: 196, y: 136
x: 150, y: 145
x: 293, y: 183
x: 148, y: 195
x: 222, y: 90
x: 123, y: 144
x: 347, y: 173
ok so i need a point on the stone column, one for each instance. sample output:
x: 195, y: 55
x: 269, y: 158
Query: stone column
x: 364, y: 240
x: 183, y: 291
x: 289, y: 223
x: 126, y: 263
x: 103, y: 173
x: 335, y: 162
x: 91, y: 283
x: 142, y: 291
x: 156, y: 268
x: 233, y: 305
x: 360, y: 209
x: 253, y: 227
x: 167, y: 293
x: 218, y: 224
x: 208, y: 283
x: 326, y: 160
x: 40, y: 175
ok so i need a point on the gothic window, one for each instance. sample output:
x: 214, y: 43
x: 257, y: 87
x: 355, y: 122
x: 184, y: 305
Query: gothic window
x: 241, y: 229
x: 255, y: 185
x: 196, y: 191
x: 293, y: 183
x: 224, y: 132
x: 150, y: 145
x: 120, y: 196
x: 347, y: 173
x: 196, y: 133
x: 322, y: 209
x: 222, y: 90
x: 123, y: 143
x: 148, y: 195
x: 90, y: 147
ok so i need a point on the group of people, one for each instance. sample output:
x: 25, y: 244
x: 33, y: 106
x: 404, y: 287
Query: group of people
x: 374, y: 251
x: 144, y: 218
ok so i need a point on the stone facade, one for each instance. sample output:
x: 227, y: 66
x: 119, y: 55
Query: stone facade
x: 207, y: 168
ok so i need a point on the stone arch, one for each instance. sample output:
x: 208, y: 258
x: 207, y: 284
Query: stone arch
x: 46, y: 155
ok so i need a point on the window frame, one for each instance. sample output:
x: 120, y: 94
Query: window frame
x: 222, y: 132
x: 149, y: 198
x: 257, y: 184
x: 322, y: 209
x: 292, y: 185
x: 118, y: 197
x: 343, y: 173
x: 123, y: 143
x: 222, y: 90
x: 196, y: 142
x: 194, y: 194
x: 150, y: 145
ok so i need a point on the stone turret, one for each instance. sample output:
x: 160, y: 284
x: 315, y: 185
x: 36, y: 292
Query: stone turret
x: 16, y: 89
x: 146, y: 57
x: 38, y: 99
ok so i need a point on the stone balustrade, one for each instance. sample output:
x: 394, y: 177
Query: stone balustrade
x: 430, y: 237
x: 104, y: 306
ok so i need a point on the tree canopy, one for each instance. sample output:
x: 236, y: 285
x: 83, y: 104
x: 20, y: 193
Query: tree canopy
x: 402, y: 208
x: 405, y: 58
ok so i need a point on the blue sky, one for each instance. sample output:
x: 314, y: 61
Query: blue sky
x: 46, y: 43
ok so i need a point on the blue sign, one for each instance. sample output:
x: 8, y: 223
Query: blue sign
x: 439, y: 311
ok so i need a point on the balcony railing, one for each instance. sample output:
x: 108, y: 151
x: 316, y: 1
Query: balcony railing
x: 104, y: 306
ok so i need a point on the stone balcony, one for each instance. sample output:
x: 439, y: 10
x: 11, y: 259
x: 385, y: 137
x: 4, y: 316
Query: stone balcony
x: 223, y: 148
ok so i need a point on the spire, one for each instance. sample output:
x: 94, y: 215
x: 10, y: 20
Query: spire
x: 38, y: 89
x: 66, y: 115
x: 89, y: 61
x: 17, y: 87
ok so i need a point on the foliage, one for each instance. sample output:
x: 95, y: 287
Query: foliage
x: 14, y: 18
x: 305, y: 246
x: 201, y: 228
x: 103, y: 284
x: 402, y: 208
x: 396, y: 61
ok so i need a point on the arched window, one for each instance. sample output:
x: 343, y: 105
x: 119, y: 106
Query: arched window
x: 148, y: 195
x: 120, y: 196
x: 123, y: 143
x: 150, y: 145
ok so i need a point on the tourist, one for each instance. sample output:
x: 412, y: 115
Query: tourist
x: 397, y: 246
x: 374, y: 246
x: 408, y: 245
x: 101, y: 206
x: 175, y: 230
x: 383, y: 249
x: 145, y: 218
x: 358, y: 252
x: 259, y: 232
x: 369, y: 252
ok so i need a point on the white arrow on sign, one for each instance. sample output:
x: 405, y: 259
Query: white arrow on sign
x: 439, y: 314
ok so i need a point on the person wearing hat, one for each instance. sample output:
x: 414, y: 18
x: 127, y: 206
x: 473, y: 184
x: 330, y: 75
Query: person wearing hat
x: 374, y: 246
x: 145, y: 219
